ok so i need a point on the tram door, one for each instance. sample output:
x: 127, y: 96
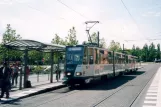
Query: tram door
x: 96, y: 61
x: 126, y: 62
x: 91, y: 61
x: 85, y: 62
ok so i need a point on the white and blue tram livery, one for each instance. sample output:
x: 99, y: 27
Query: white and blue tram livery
x: 85, y: 63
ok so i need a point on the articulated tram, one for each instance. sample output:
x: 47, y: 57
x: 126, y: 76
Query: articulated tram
x: 86, y: 63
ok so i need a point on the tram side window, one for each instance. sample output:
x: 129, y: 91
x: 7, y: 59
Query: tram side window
x: 106, y: 57
x: 119, y: 59
x: 126, y: 59
x: 85, y: 59
x: 96, y: 56
x: 123, y: 59
x: 110, y: 57
x: 116, y: 59
x: 90, y: 55
x: 129, y: 60
x: 102, y: 59
x: 98, y: 53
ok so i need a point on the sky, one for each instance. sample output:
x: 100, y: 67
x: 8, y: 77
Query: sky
x: 41, y: 19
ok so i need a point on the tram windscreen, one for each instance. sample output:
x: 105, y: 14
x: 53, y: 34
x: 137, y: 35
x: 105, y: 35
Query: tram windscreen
x: 74, y: 55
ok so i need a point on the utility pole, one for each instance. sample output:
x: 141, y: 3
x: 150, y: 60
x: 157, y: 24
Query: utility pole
x: 146, y: 54
x: 98, y: 39
x: 123, y: 48
x: 113, y: 60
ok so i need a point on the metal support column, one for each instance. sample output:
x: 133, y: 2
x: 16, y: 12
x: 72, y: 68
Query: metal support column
x: 123, y: 49
x: 113, y: 63
x: 25, y: 66
x: 20, y: 84
x: 58, y: 55
x: 52, y: 58
x: 98, y: 38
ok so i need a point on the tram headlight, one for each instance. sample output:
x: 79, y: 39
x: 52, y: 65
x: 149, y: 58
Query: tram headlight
x: 78, y: 73
x: 68, y: 73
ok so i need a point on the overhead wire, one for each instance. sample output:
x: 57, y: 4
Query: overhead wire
x: 72, y: 9
x: 50, y: 15
x: 75, y: 10
x: 29, y: 6
x: 156, y: 39
x: 132, y: 18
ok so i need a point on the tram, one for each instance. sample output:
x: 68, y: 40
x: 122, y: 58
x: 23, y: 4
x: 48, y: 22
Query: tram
x: 86, y: 63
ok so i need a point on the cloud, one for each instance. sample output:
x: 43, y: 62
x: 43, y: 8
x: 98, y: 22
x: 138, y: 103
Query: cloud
x: 40, y: 21
x: 152, y: 14
x: 5, y: 2
x: 158, y: 14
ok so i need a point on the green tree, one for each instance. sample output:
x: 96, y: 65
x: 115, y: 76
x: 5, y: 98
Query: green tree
x: 133, y: 51
x: 94, y: 38
x: 114, y: 46
x: 138, y: 51
x: 60, y: 41
x: 63, y: 42
x: 127, y: 51
x: 35, y: 56
x: 158, y: 51
x: 145, y: 53
x: 102, y: 43
x: 71, y: 39
x: 46, y: 57
x: 8, y: 36
x: 56, y: 40
x: 152, y: 52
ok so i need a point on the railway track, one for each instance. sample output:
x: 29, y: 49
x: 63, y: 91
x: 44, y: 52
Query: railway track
x: 121, y: 88
x: 62, y: 93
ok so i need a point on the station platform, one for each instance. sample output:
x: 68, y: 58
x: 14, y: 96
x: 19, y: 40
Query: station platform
x: 153, y: 94
x: 19, y: 94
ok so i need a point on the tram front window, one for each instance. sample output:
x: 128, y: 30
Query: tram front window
x: 74, y: 59
x: 74, y: 55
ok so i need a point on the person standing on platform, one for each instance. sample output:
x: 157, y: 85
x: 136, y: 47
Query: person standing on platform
x: 60, y: 66
x: 5, y: 73
x: 14, y: 74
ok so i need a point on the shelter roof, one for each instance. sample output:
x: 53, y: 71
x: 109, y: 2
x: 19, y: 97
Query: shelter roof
x: 34, y: 45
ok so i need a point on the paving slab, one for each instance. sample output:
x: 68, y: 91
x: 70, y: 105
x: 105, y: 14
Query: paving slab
x: 19, y: 94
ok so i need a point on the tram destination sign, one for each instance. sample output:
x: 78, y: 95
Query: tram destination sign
x: 75, y: 49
